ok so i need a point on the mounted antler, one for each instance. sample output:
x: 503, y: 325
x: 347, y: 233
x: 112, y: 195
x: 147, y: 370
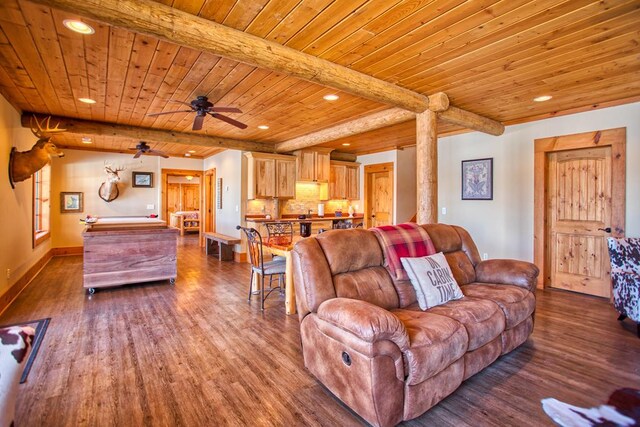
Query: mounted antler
x: 23, y: 164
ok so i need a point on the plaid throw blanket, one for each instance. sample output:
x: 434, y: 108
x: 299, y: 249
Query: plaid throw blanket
x: 400, y: 241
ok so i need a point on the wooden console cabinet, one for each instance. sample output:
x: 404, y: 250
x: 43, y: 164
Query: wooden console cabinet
x: 119, y: 254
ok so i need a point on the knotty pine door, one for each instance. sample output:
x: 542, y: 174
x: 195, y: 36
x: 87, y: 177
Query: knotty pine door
x: 579, y: 210
x: 378, y: 194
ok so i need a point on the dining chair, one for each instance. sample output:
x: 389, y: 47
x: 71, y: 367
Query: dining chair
x: 260, y: 267
x: 279, y: 233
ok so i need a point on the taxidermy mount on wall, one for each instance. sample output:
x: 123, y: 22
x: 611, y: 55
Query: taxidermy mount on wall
x: 108, y: 191
x: 23, y: 164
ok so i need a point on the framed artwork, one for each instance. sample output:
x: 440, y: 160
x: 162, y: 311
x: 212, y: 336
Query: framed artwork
x: 142, y: 179
x: 70, y: 202
x: 219, y: 193
x: 477, y: 179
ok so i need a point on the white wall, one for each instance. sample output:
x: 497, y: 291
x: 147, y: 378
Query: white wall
x: 229, y: 167
x: 16, y: 252
x: 503, y: 227
x: 83, y: 171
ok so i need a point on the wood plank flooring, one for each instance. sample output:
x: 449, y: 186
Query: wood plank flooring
x: 197, y: 354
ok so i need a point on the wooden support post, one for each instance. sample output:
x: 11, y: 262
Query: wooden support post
x: 427, y: 167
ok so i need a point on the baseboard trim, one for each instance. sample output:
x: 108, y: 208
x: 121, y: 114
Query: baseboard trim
x: 240, y: 257
x: 14, y: 290
x: 71, y: 250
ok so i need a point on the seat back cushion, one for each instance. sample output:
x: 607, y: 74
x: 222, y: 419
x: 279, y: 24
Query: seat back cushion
x: 458, y: 248
x: 355, y: 261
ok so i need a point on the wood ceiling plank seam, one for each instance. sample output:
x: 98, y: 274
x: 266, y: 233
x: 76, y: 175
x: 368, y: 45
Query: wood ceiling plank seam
x: 451, y: 31
x: 614, y: 67
x: 12, y: 92
x: 227, y: 82
x: 270, y: 16
x: 19, y: 77
x: 97, y: 57
x: 31, y: 60
x: 297, y: 20
x: 120, y: 49
x: 331, y: 16
x: 527, y: 63
x: 42, y: 29
x: 343, y: 29
x: 190, y: 6
x: 546, y: 32
x: 160, y: 65
x: 258, y: 77
x: 170, y: 89
x: 143, y: 50
x: 11, y: 13
x: 217, y: 10
x: 243, y: 13
x: 391, y: 31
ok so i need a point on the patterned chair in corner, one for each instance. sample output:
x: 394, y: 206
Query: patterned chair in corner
x: 625, y: 277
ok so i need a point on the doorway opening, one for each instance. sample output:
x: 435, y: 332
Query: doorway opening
x: 182, y: 199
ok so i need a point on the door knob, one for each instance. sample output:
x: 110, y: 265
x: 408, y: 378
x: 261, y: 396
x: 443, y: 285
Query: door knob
x: 606, y: 230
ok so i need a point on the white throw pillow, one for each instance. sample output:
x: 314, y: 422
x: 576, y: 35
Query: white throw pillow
x: 432, y: 279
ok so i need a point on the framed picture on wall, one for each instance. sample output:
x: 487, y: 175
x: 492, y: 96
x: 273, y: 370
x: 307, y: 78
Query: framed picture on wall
x: 477, y: 179
x: 71, y: 202
x: 142, y: 179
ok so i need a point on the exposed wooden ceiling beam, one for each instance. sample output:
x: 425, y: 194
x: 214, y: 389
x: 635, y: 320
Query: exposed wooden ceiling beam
x: 470, y: 120
x: 185, y: 29
x: 87, y: 127
x: 374, y: 121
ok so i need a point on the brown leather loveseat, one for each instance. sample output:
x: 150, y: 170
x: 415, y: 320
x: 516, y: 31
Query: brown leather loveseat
x: 365, y: 338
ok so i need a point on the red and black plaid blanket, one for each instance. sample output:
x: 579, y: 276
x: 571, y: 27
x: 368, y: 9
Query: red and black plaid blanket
x: 402, y: 241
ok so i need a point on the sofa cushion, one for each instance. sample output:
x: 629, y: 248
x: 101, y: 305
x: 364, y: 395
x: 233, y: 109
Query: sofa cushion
x: 371, y: 284
x: 516, y: 303
x: 432, y: 280
x: 435, y: 342
x: 483, y: 319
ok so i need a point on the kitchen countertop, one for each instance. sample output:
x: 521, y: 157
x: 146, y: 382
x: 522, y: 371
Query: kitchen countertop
x: 295, y: 219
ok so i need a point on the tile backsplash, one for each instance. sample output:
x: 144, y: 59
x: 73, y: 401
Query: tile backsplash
x: 308, y: 195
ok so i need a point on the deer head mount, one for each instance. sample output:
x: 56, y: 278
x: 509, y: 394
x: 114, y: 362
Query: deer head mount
x: 108, y: 191
x: 23, y: 164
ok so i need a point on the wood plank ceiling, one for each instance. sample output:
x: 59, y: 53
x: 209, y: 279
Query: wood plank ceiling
x: 491, y: 57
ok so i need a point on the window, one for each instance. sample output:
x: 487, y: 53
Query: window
x: 41, y: 204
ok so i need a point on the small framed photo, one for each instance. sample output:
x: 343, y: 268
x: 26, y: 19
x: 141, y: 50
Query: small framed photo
x: 71, y: 202
x: 477, y: 179
x: 142, y: 179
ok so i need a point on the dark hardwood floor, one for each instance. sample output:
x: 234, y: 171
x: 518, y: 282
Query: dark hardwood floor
x: 197, y: 354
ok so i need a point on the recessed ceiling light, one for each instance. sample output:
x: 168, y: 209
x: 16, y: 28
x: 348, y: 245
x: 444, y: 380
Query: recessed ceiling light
x: 263, y: 127
x: 542, y: 98
x: 78, y: 26
x: 87, y: 100
x: 331, y: 97
x: 187, y: 154
x: 192, y: 151
x: 86, y: 140
x: 346, y: 144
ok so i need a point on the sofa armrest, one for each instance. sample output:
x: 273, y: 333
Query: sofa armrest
x: 368, y: 322
x: 508, y: 272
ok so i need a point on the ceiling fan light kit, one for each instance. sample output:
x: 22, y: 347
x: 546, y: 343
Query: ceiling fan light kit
x: 201, y: 106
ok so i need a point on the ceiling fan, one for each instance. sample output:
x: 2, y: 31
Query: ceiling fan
x: 143, y: 148
x: 201, y: 106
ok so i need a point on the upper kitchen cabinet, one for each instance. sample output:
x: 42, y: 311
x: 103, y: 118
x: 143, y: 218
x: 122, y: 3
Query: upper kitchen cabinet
x: 270, y: 176
x: 314, y: 164
x: 344, y: 180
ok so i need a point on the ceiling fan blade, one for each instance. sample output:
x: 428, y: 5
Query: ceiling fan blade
x: 158, y: 153
x: 169, y: 112
x: 224, y: 110
x: 229, y: 120
x: 138, y: 154
x: 197, y: 122
x: 180, y: 102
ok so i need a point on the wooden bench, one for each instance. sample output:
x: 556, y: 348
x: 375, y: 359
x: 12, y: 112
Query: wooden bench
x: 224, y: 248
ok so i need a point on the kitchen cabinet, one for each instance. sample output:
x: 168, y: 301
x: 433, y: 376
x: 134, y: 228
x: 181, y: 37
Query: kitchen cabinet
x: 344, y: 180
x: 313, y: 164
x: 270, y: 176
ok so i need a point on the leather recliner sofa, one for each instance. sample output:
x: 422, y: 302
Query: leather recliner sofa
x: 365, y: 338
